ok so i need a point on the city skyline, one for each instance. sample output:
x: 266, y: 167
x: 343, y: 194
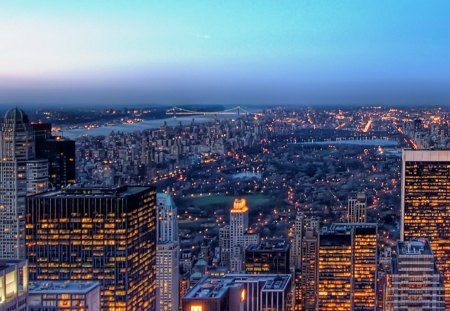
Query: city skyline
x: 295, y: 53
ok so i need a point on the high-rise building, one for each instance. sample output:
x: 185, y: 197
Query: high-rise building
x: 60, y: 153
x: 335, y: 272
x: 234, y: 292
x: 425, y: 203
x: 104, y: 234
x: 239, y: 238
x: 415, y: 282
x: 167, y: 254
x: 13, y: 285
x: 20, y: 174
x: 64, y: 296
x: 309, y: 269
x: 357, y: 208
x: 296, y: 249
x: 167, y: 218
x: 224, y: 245
x: 347, y: 274
x: 268, y: 257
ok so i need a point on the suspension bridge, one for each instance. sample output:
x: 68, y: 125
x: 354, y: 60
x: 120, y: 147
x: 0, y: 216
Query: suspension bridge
x: 238, y: 110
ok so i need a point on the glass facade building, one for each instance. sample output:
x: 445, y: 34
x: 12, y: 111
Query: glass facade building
x: 104, y: 234
x: 425, y: 203
x: 347, y: 274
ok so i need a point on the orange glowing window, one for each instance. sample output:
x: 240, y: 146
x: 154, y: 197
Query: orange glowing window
x: 196, y: 308
x: 243, y: 295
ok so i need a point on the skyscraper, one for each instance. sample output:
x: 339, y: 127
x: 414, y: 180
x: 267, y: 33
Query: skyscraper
x: 224, y: 245
x: 357, y: 208
x: 239, y: 239
x: 20, y: 174
x: 335, y: 272
x: 309, y: 269
x: 60, y: 153
x: 415, y: 282
x: 347, y: 274
x: 167, y: 254
x: 425, y: 203
x: 104, y: 234
x: 296, y: 250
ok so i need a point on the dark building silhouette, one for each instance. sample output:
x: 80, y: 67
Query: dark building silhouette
x: 60, y: 153
x: 270, y: 256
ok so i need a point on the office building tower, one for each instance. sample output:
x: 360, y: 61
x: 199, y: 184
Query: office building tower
x: 347, y: 274
x: 60, y: 153
x: 64, y: 295
x: 167, y: 254
x: 239, y: 237
x: 224, y: 245
x: 357, y: 208
x: 234, y: 292
x: 425, y: 204
x: 307, y: 285
x: 13, y: 285
x: 104, y: 234
x: 296, y: 249
x: 335, y: 272
x: 268, y: 257
x: 17, y: 157
x: 415, y: 282
x: 167, y: 218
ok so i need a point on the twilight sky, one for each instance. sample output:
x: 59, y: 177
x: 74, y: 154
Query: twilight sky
x: 225, y: 52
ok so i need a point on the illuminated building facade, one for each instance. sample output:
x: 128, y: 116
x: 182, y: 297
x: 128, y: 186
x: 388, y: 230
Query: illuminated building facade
x: 17, y: 156
x: 335, y: 272
x: 234, y: 292
x: 60, y: 153
x: 104, y: 234
x: 13, y: 285
x: 239, y: 237
x: 425, y: 203
x: 167, y: 254
x: 296, y: 249
x: 268, y: 257
x: 357, y: 208
x: 308, y: 277
x: 64, y: 296
x: 347, y: 275
x: 415, y: 282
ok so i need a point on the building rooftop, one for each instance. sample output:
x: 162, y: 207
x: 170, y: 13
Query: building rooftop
x: 17, y: 115
x: 269, y: 245
x: 67, y: 287
x: 414, y: 247
x: 216, y: 287
x: 239, y: 206
x: 76, y: 190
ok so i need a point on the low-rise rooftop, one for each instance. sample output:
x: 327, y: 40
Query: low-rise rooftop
x: 66, y: 287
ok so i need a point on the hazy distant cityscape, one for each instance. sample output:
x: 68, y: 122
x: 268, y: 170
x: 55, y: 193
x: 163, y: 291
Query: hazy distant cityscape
x: 237, y: 192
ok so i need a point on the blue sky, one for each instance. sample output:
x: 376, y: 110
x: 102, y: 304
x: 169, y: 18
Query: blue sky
x: 227, y: 52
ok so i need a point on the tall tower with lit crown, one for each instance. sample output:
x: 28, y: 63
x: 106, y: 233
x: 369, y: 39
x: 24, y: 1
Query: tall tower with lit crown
x: 240, y: 239
x: 238, y: 227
